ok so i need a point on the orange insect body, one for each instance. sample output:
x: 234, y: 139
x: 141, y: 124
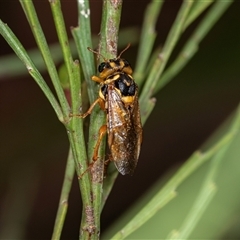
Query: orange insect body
x: 118, y: 97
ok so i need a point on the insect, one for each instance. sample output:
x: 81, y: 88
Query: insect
x: 118, y: 97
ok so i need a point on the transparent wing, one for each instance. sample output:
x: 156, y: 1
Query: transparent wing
x: 124, y: 131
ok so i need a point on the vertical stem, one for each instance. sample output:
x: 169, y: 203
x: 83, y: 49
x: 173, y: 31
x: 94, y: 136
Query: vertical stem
x: 108, y: 48
x: 110, y: 27
x: 75, y: 127
x: 82, y: 36
x: 34, y: 23
x: 83, y: 39
x: 63, y: 202
x: 148, y: 36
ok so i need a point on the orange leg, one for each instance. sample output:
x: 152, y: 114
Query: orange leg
x: 102, y: 131
x: 99, y: 101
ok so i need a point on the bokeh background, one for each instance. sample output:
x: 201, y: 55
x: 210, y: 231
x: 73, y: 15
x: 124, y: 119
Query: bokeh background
x: 34, y: 145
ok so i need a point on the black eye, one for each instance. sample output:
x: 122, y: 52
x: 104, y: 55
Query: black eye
x: 101, y: 67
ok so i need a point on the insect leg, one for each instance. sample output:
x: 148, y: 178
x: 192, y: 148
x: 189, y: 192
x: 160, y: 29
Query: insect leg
x: 102, y: 131
x: 99, y: 101
x: 97, y: 79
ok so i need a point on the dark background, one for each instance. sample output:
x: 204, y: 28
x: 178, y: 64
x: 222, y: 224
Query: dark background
x: 34, y: 145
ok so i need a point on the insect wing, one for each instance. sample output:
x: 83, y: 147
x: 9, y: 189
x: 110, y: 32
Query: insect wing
x: 136, y: 119
x: 124, y: 131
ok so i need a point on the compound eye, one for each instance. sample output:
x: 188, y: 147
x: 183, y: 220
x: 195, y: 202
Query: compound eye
x: 101, y: 67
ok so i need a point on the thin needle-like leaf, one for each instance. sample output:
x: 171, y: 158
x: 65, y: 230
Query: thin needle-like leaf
x: 75, y: 127
x: 17, y: 47
x: 148, y: 36
x: 11, y: 66
x: 63, y: 202
x: 43, y: 46
x: 108, y: 48
x: 167, y: 192
x: 208, y: 190
x: 163, y: 58
x: 191, y: 46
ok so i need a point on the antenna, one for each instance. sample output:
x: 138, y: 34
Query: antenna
x: 124, y: 50
x: 99, y: 54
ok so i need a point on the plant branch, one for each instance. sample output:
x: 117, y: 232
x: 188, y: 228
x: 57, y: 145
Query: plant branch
x: 192, y: 45
x: 108, y: 48
x: 208, y: 189
x: 77, y: 142
x: 63, y: 202
x: 11, y: 66
x: 75, y: 128
x: 169, y: 189
x: 31, y: 15
x: 198, y: 8
x: 17, y: 47
x: 163, y: 57
x: 148, y: 36
x: 83, y: 40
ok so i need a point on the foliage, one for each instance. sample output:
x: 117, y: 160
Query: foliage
x: 94, y: 190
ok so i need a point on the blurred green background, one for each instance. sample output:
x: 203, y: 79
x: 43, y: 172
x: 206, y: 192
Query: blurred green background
x: 34, y: 144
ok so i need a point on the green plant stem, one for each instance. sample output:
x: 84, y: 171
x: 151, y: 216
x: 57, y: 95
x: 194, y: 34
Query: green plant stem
x: 77, y: 142
x: 83, y: 40
x: 199, y: 207
x: 163, y: 57
x: 110, y: 28
x: 192, y: 45
x: 205, y: 196
x: 11, y: 66
x: 17, y: 47
x: 63, y: 39
x: 197, y: 9
x: 72, y: 67
x: 148, y: 36
x: 31, y: 15
x: 208, y: 189
x: 108, y: 48
x: 162, y: 197
x: 63, y: 202
x: 82, y: 36
x: 108, y: 182
x: 123, y: 40
x: 75, y: 127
